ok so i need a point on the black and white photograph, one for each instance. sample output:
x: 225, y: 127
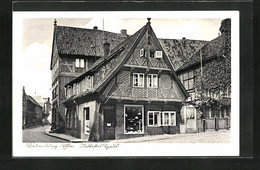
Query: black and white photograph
x: 126, y: 83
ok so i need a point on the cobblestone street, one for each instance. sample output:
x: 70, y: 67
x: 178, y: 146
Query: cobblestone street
x: 37, y: 135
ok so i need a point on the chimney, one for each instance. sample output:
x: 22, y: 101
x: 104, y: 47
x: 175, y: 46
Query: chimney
x: 123, y: 32
x: 48, y: 99
x: 95, y: 28
x: 106, y: 47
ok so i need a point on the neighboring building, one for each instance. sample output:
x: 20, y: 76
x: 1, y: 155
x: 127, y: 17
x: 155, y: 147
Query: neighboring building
x: 32, y: 111
x: 132, y: 91
x: 75, y: 50
x: 46, y: 107
x: 207, y: 78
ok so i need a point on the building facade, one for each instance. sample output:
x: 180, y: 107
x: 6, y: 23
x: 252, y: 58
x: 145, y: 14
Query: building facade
x: 75, y: 50
x: 32, y: 111
x: 46, y: 107
x: 207, y: 78
x: 133, y: 91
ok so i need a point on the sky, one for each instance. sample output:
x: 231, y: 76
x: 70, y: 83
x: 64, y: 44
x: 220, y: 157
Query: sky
x: 37, y: 38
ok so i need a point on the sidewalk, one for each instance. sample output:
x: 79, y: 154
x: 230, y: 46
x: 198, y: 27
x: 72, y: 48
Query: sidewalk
x: 221, y: 136
x: 64, y: 137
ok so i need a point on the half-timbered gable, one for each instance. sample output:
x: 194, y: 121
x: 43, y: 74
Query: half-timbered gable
x: 129, y: 90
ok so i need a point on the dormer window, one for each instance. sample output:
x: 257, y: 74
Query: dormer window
x: 158, y: 54
x: 142, y: 53
x: 80, y: 63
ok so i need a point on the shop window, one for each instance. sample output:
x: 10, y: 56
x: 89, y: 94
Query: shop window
x: 138, y: 80
x: 80, y: 63
x: 86, y: 120
x: 152, y: 80
x: 133, y: 119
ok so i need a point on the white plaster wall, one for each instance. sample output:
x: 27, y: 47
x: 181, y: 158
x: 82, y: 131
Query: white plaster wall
x: 92, y: 109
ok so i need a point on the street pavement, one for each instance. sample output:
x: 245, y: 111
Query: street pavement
x: 41, y: 134
x: 37, y: 135
x: 210, y: 136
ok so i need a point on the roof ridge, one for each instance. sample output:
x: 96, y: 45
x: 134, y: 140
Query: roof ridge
x: 202, y: 49
x: 88, y: 29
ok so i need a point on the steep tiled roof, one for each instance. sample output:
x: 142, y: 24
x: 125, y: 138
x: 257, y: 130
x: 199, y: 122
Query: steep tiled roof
x: 214, y: 48
x: 81, y: 41
x: 180, y: 51
x: 117, y: 50
x: 88, y: 42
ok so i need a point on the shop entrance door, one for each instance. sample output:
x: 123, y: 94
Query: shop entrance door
x: 109, y: 122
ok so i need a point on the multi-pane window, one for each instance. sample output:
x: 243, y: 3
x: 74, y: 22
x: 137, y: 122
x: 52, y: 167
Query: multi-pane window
x: 138, y: 80
x: 152, y: 80
x: 153, y: 118
x: 80, y: 63
x: 166, y: 118
x: 188, y: 79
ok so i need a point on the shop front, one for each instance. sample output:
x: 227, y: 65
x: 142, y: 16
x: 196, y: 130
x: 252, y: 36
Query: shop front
x: 146, y: 119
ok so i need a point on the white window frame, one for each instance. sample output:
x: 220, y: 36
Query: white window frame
x: 139, y: 82
x: 142, y: 118
x: 142, y: 52
x: 158, y: 54
x: 79, y: 63
x: 152, y: 81
x: 162, y: 117
x: 153, y: 112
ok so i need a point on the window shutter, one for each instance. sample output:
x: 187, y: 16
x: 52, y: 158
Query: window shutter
x: 142, y: 52
x: 158, y: 54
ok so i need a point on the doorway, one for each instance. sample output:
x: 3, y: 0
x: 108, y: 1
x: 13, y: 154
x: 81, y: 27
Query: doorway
x: 109, y: 122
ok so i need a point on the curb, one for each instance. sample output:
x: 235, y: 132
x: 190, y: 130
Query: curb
x: 48, y: 134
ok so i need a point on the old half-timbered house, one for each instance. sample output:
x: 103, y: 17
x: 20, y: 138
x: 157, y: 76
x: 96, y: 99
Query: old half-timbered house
x: 132, y: 91
x: 74, y: 50
x: 32, y: 111
x: 207, y: 78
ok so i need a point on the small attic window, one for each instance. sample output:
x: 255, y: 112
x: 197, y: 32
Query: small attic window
x: 158, y: 54
x: 152, y: 54
x: 142, y: 53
